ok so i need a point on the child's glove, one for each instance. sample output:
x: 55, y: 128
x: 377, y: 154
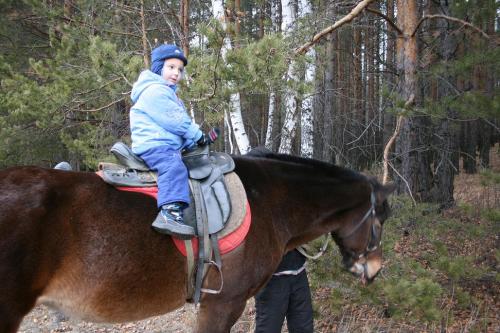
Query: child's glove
x: 208, y: 138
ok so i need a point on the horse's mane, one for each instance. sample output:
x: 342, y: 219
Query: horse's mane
x: 319, y: 166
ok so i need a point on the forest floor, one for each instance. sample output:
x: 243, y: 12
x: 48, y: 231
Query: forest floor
x: 478, y: 312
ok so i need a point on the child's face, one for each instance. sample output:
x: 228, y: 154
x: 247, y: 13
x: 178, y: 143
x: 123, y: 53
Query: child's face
x: 173, y: 69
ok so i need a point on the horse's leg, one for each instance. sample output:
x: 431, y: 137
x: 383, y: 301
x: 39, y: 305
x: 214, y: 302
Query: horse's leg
x: 9, y: 325
x: 18, y: 290
x: 10, y: 319
x: 218, y: 316
x: 21, y: 282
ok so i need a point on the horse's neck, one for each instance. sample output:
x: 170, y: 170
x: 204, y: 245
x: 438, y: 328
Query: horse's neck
x: 317, y: 208
x: 303, y: 202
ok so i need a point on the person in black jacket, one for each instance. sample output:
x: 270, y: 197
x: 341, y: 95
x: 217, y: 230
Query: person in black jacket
x: 286, y: 295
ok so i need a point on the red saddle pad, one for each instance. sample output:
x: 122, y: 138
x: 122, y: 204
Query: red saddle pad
x: 226, y: 243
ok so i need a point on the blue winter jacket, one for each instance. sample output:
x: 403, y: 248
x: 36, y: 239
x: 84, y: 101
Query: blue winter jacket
x: 158, y: 117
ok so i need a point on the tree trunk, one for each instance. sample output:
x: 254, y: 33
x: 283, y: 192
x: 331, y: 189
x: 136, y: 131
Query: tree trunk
x: 273, y: 118
x: 367, y: 141
x: 290, y: 97
x: 339, y: 122
x: 329, y: 96
x: 185, y: 26
x: 389, y: 119
x: 482, y: 132
x: 306, y: 121
x: 445, y: 132
x: 357, y: 111
x: 371, y: 53
x: 262, y: 17
x: 270, y: 121
x: 237, y: 22
x: 469, y: 130
x: 412, y: 145
x: 319, y: 104
x: 487, y: 87
x: 468, y: 148
x: 377, y: 123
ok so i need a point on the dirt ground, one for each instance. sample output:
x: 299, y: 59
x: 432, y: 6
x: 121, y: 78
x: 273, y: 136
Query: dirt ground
x: 45, y: 320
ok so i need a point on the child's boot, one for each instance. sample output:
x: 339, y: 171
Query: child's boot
x: 170, y: 221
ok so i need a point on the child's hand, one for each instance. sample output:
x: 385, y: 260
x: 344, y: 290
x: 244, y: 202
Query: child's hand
x: 208, y: 138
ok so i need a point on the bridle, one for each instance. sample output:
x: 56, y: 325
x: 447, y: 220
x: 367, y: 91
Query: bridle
x: 374, y: 240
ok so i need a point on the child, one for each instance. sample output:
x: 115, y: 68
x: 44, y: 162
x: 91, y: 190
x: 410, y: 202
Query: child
x: 161, y: 128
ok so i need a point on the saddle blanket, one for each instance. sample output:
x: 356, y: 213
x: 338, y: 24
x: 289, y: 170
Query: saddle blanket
x: 227, y: 242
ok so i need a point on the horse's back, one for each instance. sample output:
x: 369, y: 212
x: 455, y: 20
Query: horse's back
x: 69, y: 239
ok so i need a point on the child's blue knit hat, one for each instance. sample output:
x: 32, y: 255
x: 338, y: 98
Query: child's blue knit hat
x: 165, y: 51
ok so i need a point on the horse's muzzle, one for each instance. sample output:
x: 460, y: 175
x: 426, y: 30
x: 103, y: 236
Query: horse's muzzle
x: 366, y: 268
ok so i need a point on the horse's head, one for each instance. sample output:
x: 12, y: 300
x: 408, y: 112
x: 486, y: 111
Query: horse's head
x: 359, y: 242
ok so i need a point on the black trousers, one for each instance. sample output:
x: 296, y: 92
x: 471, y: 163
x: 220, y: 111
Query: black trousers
x: 284, y: 296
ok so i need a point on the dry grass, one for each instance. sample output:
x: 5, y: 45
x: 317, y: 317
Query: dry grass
x: 469, y: 189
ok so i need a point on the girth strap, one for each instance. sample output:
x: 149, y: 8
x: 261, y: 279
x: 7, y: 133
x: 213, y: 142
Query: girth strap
x: 190, y: 267
x: 203, y: 235
x: 206, y: 244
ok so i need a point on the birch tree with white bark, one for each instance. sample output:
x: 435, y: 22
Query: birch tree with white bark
x: 306, y: 112
x: 271, y: 111
x: 235, y: 116
x: 290, y: 96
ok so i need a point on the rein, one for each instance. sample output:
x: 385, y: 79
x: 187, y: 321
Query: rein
x: 373, y: 232
x: 371, y: 211
x: 304, y: 248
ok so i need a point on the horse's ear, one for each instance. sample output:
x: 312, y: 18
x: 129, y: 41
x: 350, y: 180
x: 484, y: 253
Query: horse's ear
x: 383, y: 192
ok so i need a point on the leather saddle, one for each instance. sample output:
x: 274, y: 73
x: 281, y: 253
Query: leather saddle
x: 210, y: 208
x: 206, y: 172
x: 208, y: 213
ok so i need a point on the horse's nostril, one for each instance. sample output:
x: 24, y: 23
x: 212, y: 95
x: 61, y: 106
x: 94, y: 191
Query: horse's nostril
x: 356, y: 269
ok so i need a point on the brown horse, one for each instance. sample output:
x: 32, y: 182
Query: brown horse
x: 70, y: 240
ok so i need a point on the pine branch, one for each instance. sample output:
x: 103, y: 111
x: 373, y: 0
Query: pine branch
x: 453, y: 19
x: 385, y: 17
x: 99, y: 88
x: 103, y: 107
x: 214, y: 90
x: 399, y: 124
x: 406, y: 183
x: 387, y: 148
